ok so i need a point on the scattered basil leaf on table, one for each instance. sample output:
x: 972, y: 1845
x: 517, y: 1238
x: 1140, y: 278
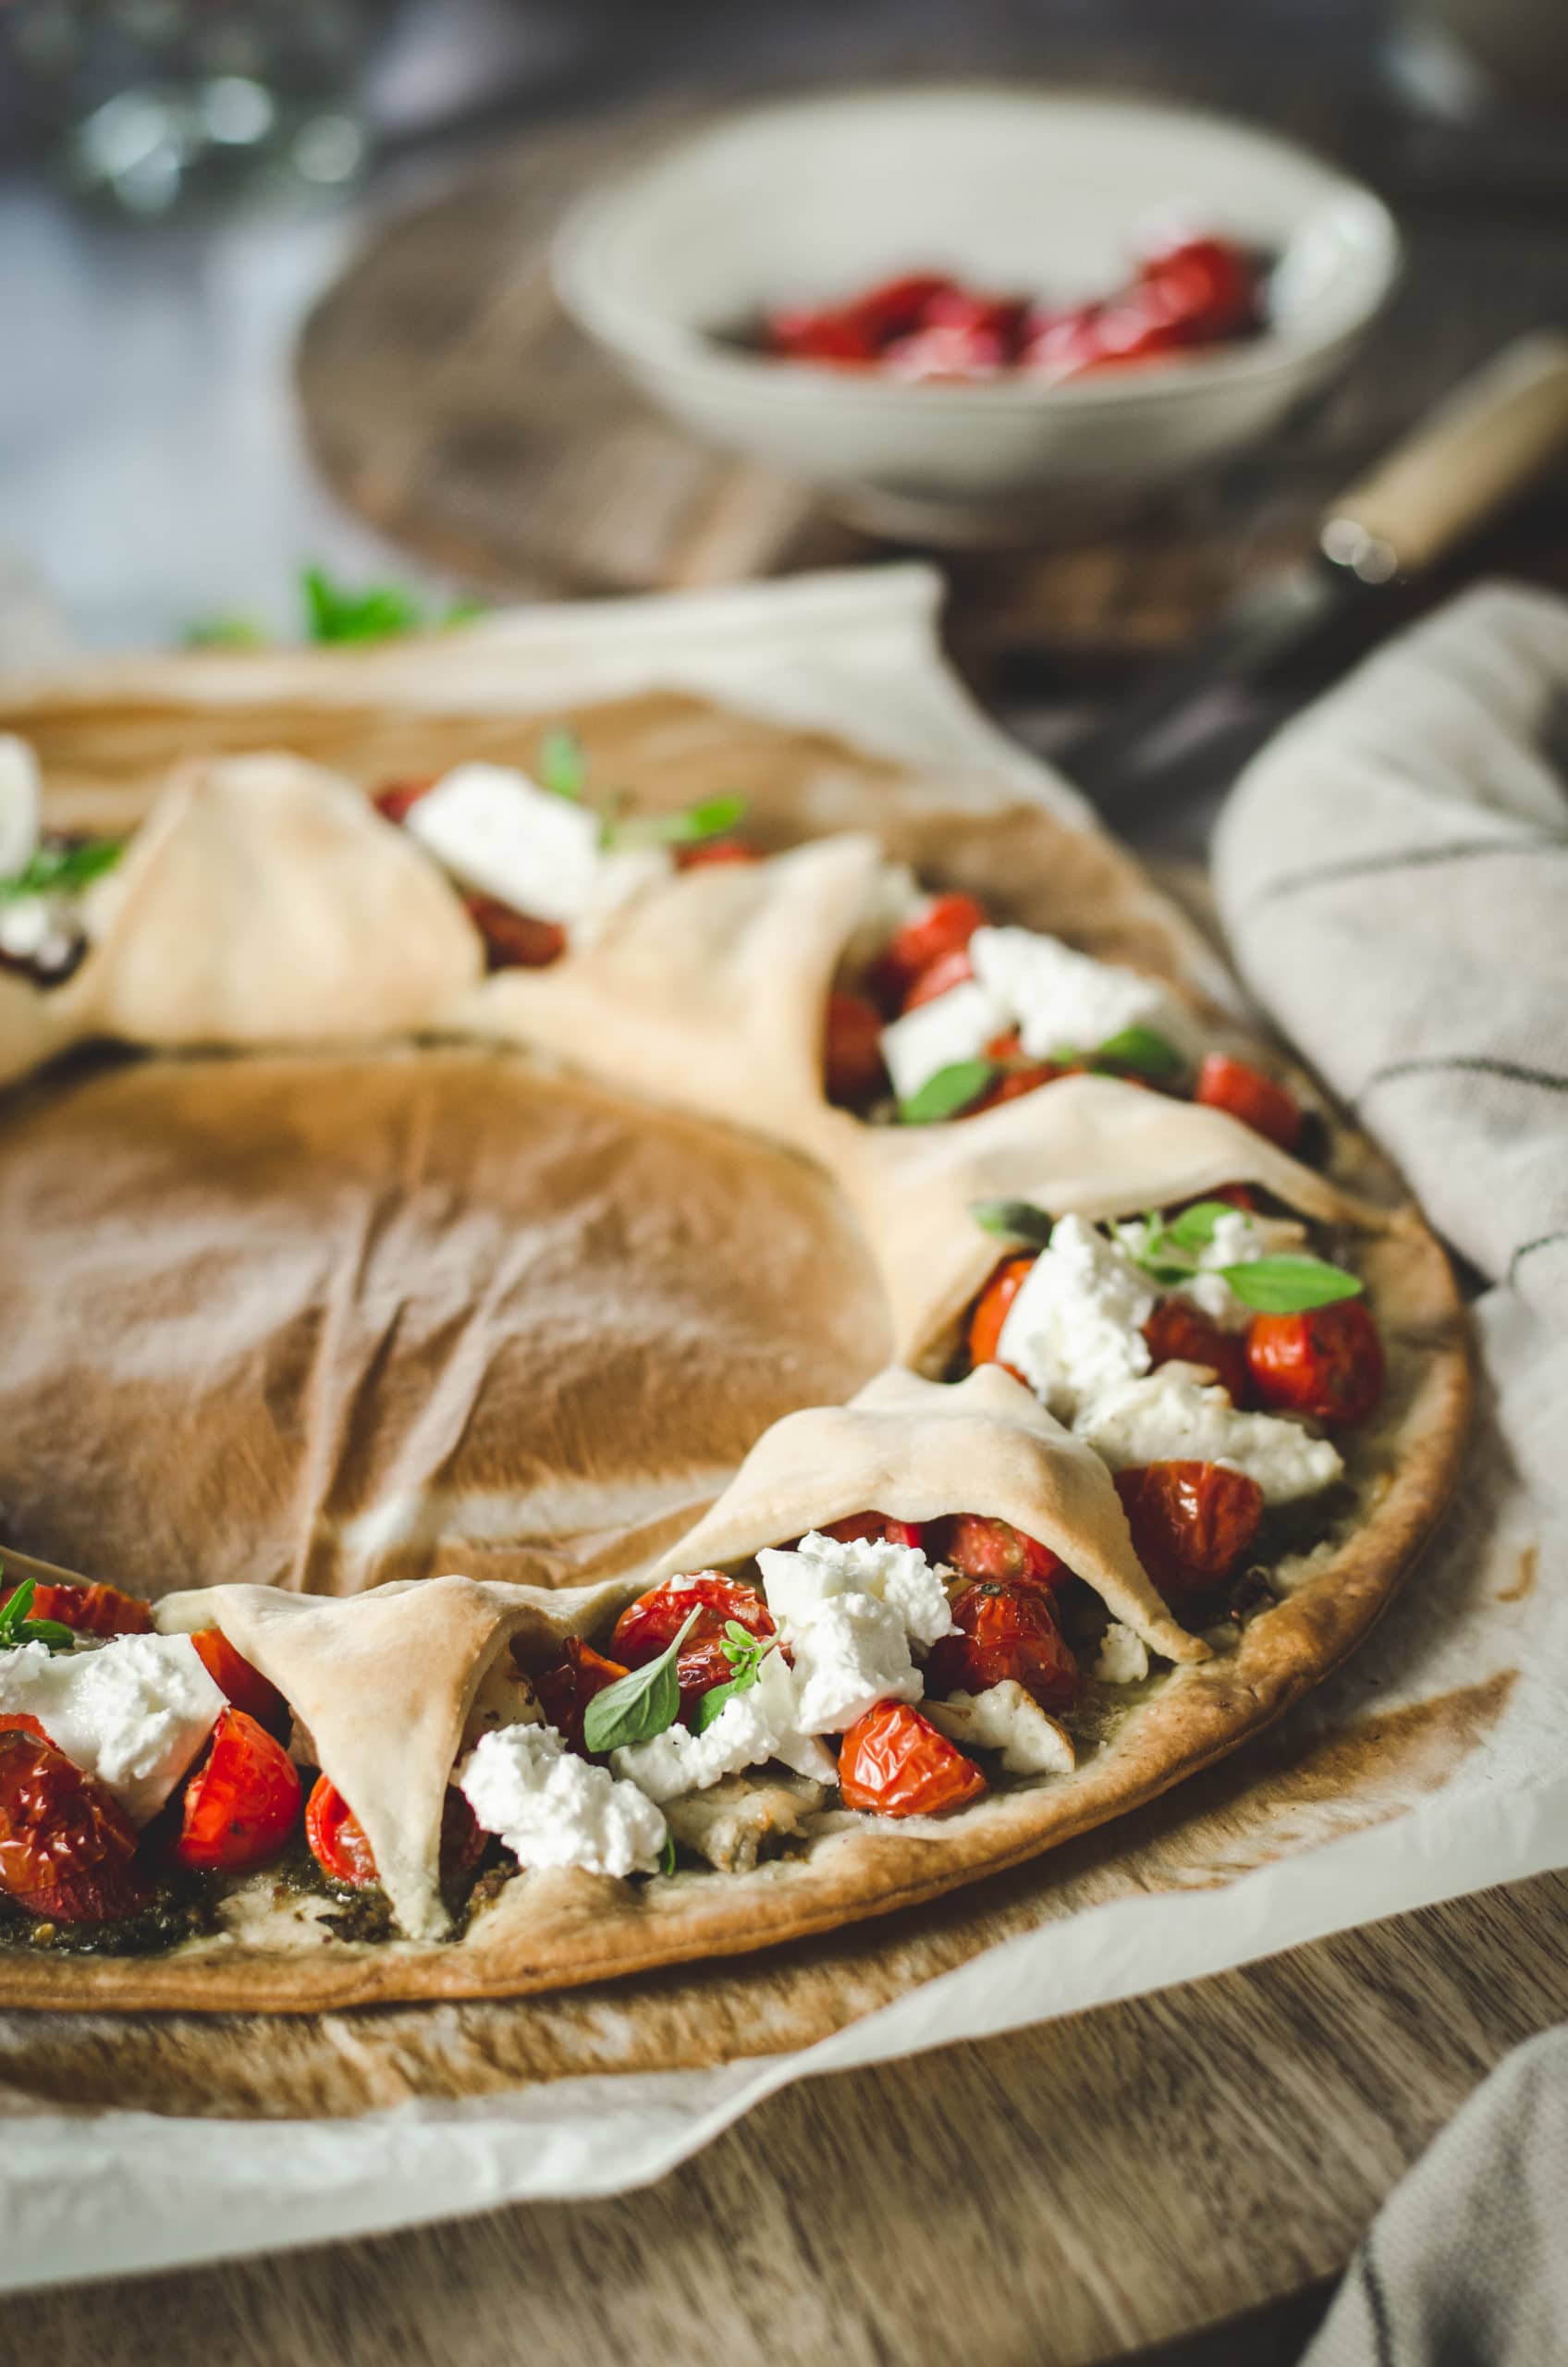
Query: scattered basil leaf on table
x: 1013, y: 1220
x: 640, y: 1704
x: 63, y: 871
x: 689, y: 827
x: 16, y: 1627
x: 949, y: 1092
x: 1291, y: 1286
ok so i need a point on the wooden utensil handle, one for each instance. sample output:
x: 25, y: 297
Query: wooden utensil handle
x: 1493, y: 435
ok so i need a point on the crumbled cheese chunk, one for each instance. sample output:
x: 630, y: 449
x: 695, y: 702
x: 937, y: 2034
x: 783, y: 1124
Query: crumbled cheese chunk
x: 133, y: 1710
x: 760, y: 1724
x: 1076, y: 1325
x: 497, y: 832
x: 1005, y: 1718
x: 1060, y: 1001
x: 1169, y: 1417
x: 797, y: 1584
x: 1123, y: 1657
x: 851, y: 1653
x: 554, y: 1808
x: 20, y: 803
x: 950, y: 1027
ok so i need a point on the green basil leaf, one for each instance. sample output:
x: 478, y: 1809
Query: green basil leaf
x: 1143, y: 1050
x: 562, y: 767
x: 227, y: 633
x: 1012, y: 1221
x: 708, y: 820
x: 949, y: 1092
x: 1290, y: 1285
x: 747, y: 1665
x: 640, y: 1704
x: 15, y: 1608
x: 53, y: 1632
x: 333, y: 613
x: 63, y: 871
x: 1193, y: 1229
x: 667, y: 1855
x: 16, y: 1627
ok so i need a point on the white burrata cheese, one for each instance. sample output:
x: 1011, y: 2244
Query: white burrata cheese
x: 936, y: 1035
x: 852, y: 1652
x: 498, y: 832
x: 1005, y: 1718
x: 760, y: 1724
x: 553, y: 1809
x: 1123, y: 1657
x: 1063, y: 1001
x: 797, y: 1584
x: 1169, y: 1417
x: 19, y: 805
x: 133, y: 1710
x: 1076, y: 1326
x: 1239, y: 1239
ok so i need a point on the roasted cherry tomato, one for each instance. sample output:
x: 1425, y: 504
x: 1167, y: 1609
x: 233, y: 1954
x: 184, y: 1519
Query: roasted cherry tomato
x: 1004, y: 1631
x: 337, y: 1840
x: 874, y: 1528
x: 893, y: 1763
x: 942, y: 926
x: 649, y: 1626
x: 992, y: 1307
x: 1191, y: 1522
x: 241, y: 1804
x: 91, y: 1611
x: 997, y: 1553
x: 709, y: 854
x: 245, y: 1685
x: 565, y: 1690
x: 1028, y: 1076
x: 68, y: 1849
x: 948, y: 970
x: 1256, y: 1100
x: 1328, y: 1363
x: 1179, y: 1332
x: 852, y: 1051
x: 514, y: 940
x: 394, y: 802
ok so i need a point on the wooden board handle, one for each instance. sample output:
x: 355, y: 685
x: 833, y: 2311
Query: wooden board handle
x: 1493, y: 435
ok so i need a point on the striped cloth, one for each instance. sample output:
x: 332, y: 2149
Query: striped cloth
x: 1393, y: 873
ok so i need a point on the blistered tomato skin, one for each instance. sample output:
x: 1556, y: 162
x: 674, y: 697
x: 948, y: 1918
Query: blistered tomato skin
x: 649, y: 1625
x: 68, y: 1849
x: 89, y: 1609
x: 337, y: 1843
x: 1005, y: 1632
x: 565, y: 1691
x: 514, y: 940
x: 1177, y: 1332
x: 992, y: 1307
x: 1191, y: 1522
x: 893, y: 1763
x: 942, y: 927
x: 996, y: 1553
x: 852, y: 1070
x: 244, y: 1685
x: 1327, y: 1363
x: 241, y: 1804
x: 875, y: 1528
x: 1246, y: 1093
x: 950, y: 970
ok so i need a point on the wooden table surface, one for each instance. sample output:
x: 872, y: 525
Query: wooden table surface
x: 1071, y: 2194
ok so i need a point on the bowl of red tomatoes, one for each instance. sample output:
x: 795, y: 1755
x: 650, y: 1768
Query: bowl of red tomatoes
x: 973, y: 313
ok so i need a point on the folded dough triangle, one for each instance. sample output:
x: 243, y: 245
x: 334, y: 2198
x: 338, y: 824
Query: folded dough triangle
x: 265, y: 901
x: 917, y: 1450
x: 1086, y: 1146
x: 384, y: 1682
x: 708, y: 992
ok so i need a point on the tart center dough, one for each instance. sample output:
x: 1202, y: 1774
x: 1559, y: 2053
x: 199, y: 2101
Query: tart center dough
x: 320, y: 1321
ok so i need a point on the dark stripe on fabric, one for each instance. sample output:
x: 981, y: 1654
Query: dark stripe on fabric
x: 1468, y: 1064
x: 1377, y: 2307
x: 1528, y: 1248
x: 1369, y: 867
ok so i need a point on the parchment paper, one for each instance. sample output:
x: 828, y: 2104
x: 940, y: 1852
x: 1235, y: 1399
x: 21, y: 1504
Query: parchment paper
x: 1428, y: 1768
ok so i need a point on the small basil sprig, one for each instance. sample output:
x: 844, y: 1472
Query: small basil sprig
x: 640, y: 1704
x: 1013, y: 1220
x: 745, y: 1653
x: 948, y: 1094
x: 334, y: 613
x: 63, y: 871
x: 561, y: 765
x: 688, y: 828
x: 667, y: 1855
x: 1291, y: 1284
x: 16, y: 1627
x: 1143, y: 1050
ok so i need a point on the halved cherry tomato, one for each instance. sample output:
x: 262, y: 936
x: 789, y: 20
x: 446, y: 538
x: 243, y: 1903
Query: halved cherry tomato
x: 993, y: 1305
x: 394, y: 802
x: 1191, y: 1522
x: 565, y: 1690
x: 337, y: 1840
x: 875, y: 1528
x: 813, y: 336
x: 514, y: 940
x: 1256, y: 1100
x: 68, y: 1849
x: 241, y: 1804
x: 648, y: 1626
x: 898, y: 306
x: 245, y: 1685
x: 1205, y: 288
x: 939, y: 352
x: 1004, y: 1632
x: 942, y: 925
x: 708, y: 853
x: 1014, y: 1083
x: 852, y: 1051
x: 1179, y: 1332
x: 996, y: 1552
x: 938, y: 977
x: 89, y: 1609
x: 893, y: 1763
x: 1328, y: 1363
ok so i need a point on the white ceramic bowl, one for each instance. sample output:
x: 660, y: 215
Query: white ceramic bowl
x: 816, y: 199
